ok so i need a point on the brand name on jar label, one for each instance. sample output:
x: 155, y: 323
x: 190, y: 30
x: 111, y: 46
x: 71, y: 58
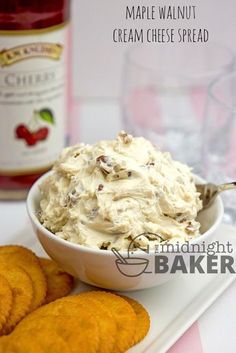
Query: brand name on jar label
x: 48, y: 50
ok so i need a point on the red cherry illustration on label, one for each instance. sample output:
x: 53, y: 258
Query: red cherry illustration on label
x: 41, y: 134
x: 21, y: 131
x: 30, y: 139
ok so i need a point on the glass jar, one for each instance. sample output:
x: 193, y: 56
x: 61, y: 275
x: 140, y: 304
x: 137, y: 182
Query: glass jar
x: 34, y: 90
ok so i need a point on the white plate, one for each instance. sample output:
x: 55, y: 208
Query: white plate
x: 173, y: 306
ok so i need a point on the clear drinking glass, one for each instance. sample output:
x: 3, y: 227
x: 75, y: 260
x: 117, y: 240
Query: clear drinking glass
x: 164, y: 94
x: 219, y: 138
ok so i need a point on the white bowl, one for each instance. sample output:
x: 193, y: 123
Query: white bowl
x: 100, y: 267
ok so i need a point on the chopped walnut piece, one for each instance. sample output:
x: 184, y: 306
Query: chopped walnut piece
x: 100, y: 187
x: 129, y: 237
x: 190, y: 228
x: 72, y: 198
x: 152, y: 236
x: 102, y: 158
x: 182, y: 220
x: 93, y: 213
x: 104, y: 164
x: 39, y: 213
x: 105, y: 245
x: 124, y: 137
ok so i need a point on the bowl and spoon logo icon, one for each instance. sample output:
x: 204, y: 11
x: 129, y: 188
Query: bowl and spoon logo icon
x: 133, y: 266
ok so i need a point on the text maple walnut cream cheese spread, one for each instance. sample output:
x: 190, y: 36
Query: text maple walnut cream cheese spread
x: 103, y: 195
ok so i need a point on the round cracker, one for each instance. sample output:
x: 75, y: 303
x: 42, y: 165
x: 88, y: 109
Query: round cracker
x: 21, y: 345
x: 123, y: 315
x: 72, y: 305
x: 5, y: 300
x: 43, y: 341
x: 143, y: 319
x: 26, y: 259
x: 22, y: 290
x: 4, y: 340
x: 59, y: 282
x: 79, y: 332
x: 106, y: 323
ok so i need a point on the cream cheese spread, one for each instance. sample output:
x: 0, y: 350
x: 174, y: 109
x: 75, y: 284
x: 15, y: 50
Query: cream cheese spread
x: 103, y: 195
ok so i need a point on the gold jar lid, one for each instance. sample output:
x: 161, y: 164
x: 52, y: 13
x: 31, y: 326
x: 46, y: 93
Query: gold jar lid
x: 7, y: 194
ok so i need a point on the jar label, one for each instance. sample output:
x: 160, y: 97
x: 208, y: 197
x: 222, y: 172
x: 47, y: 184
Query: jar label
x: 33, y: 98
